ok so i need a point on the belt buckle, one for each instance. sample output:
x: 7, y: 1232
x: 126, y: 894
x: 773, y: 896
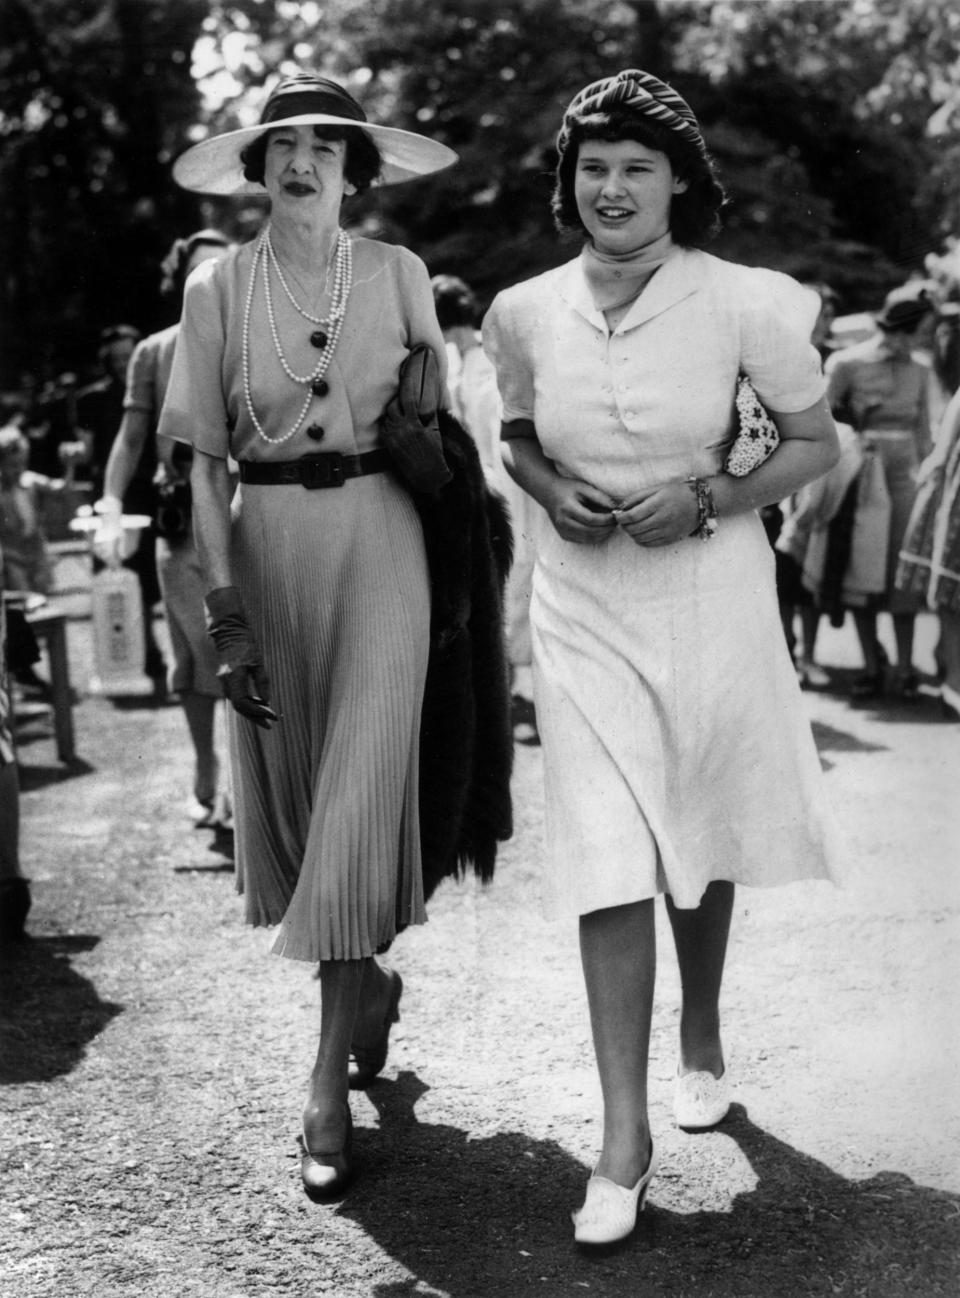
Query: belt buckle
x: 322, y: 470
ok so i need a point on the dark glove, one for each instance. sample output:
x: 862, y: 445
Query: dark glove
x: 243, y: 676
x: 409, y: 426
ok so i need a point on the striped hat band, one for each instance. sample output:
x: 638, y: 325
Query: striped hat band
x: 642, y: 93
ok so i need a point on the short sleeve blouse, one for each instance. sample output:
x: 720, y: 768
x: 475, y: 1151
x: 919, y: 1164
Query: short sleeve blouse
x: 149, y: 372
x: 389, y: 310
x: 653, y: 398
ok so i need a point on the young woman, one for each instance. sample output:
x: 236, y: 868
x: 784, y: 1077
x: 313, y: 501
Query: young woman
x: 677, y: 754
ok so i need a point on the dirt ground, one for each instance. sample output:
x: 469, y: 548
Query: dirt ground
x: 154, y: 1056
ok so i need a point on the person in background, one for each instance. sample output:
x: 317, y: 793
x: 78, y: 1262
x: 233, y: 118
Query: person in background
x: 15, y: 897
x: 27, y: 567
x: 23, y: 495
x: 475, y: 401
x: 785, y: 527
x: 658, y: 654
x: 880, y: 387
x: 944, y: 359
x: 829, y: 303
x: 930, y: 558
x: 99, y: 412
x: 193, y: 674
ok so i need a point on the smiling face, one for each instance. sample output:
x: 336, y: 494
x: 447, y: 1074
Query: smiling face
x: 303, y: 172
x: 623, y: 192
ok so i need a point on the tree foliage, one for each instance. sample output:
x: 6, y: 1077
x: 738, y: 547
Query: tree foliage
x: 94, y: 96
x: 834, y: 122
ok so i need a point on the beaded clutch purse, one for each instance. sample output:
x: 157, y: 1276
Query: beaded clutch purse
x: 758, y: 437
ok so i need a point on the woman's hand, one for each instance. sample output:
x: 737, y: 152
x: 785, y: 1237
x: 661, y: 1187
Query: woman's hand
x: 580, y: 513
x: 242, y: 673
x: 659, y: 515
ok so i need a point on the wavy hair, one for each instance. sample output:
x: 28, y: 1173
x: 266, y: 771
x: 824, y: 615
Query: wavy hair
x: 694, y: 214
x: 361, y: 166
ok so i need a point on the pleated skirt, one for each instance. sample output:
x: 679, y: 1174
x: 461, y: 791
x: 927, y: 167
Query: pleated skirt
x: 326, y: 802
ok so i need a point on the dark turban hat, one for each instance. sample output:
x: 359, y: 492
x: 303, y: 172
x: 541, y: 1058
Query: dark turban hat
x: 639, y: 92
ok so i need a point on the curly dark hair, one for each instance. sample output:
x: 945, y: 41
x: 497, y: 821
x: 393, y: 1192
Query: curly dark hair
x: 694, y: 214
x: 361, y: 166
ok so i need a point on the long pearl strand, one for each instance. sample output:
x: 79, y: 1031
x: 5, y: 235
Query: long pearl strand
x: 342, y: 282
x: 275, y: 263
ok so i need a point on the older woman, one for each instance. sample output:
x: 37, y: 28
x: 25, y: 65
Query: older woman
x: 287, y: 359
x: 677, y: 754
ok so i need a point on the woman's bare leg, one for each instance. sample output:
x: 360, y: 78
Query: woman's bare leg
x: 199, y: 711
x: 903, y: 628
x: 325, y: 1114
x: 700, y: 937
x: 866, y: 623
x: 618, y: 951
x: 376, y: 989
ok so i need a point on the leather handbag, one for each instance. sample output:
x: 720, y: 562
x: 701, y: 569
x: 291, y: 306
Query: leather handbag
x: 757, y: 437
x: 409, y: 427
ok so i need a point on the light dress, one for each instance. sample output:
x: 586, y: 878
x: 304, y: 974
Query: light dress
x: 475, y: 401
x: 885, y: 397
x: 334, y: 582
x: 676, y: 745
x: 194, y: 666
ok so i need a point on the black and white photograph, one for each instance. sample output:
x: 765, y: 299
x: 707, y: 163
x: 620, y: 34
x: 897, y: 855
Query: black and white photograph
x: 479, y: 648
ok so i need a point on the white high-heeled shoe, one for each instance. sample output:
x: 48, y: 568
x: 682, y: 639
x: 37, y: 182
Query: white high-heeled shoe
x: 701, y: 1100
x: 609, y: 1211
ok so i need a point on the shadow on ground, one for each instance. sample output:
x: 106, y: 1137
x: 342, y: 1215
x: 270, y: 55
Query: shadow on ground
x: 831, y: 740
x: 48, y: 1012
x: 489, y: 1218
x: 34, y: 777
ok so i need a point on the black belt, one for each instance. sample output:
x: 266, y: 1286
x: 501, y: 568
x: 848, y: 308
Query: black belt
x: 331, y: 469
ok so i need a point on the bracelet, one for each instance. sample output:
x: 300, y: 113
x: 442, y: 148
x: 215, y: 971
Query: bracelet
x: 706, y: 509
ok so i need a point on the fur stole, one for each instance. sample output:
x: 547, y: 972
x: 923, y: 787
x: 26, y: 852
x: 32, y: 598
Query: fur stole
x: 466, y: 738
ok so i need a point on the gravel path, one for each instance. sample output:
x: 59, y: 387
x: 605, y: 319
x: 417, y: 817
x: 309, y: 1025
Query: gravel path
x: 154, y: 1058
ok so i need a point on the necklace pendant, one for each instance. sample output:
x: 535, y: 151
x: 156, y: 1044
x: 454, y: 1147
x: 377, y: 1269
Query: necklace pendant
x: 318, y: 339
x: 319, y: 387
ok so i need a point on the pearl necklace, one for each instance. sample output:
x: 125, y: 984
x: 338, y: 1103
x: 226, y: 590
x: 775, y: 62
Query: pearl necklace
x: 342, y: 282
x: 275, y: 263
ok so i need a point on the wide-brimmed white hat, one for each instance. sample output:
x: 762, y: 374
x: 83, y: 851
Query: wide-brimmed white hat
x: 214, y: 166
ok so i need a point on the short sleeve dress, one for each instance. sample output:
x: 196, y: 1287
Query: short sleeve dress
x: 194, y: 668
x: 885, y: 397
x: 334, y: 581
x: 676, y: 746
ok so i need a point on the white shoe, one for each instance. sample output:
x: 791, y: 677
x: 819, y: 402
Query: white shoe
x: 812, y: 674
x: 201, y: 813
x: 701, y: 1100
x: 609, y: 1211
